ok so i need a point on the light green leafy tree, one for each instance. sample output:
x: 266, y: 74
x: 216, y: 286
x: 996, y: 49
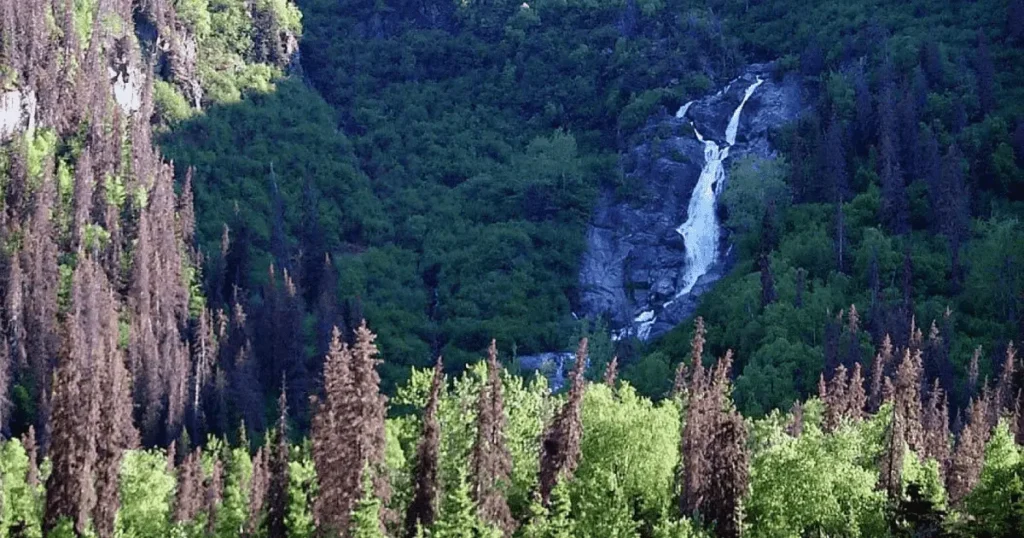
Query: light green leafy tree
x: 234, y: 510
x: 302, y: 488
x: 995, y: 507
x: 553, y: 521
x: 147, y: 491
x: 19, y: 503
x: 631, y: 446
x: 528, y: 408
x: 816, y: 483
x: 602, y: 508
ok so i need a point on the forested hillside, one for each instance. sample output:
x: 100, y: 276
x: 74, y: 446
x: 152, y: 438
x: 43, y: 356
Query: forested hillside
x: 204, y: 204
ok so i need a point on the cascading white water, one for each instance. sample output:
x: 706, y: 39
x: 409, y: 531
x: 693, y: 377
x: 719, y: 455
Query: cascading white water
x: 734, y: 121
x: 681, y: 113
x: 701, y: 232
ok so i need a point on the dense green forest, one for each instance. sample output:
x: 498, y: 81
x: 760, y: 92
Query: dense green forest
x: 204, y: 204
x: 451, y: 174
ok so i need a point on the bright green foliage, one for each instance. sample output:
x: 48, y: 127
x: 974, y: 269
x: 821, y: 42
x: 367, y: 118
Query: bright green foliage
x: 816, y: 483
x: 169, y: 105
x: 995, y: 507
x: 20, y: 505
x: 630, y: 449
x: 458, y: 517
x: 301, y: 492
x: 527, y: 408
x: 559, y: 523
x: 40, y: 146
x: 554, y: 521
x: 66, y: 529
x: 366, y: 516
x: 927, y: 477
x: 234, y: 510
x: 195, y: 14
x: 602, y: 506
x: 285, y: 12
x: 147, y: 491
x: 678, y: 528
x: 651, y: 375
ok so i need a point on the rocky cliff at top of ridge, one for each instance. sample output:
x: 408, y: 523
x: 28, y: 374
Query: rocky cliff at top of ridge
x: 635, y: 258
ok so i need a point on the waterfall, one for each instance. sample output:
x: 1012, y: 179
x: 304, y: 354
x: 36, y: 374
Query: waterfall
x: 681, y: 113
x: 734, y: 121
x: 701, y: 232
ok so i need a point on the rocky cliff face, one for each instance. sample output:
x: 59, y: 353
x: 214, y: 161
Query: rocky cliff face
x: 636, y: 257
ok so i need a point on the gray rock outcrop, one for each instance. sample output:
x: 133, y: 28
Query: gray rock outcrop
x: 631, y: 271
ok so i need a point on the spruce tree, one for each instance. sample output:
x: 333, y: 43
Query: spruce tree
x: 611, y: 372
x: 422, y: 510
x: 277, y: 495
x: 560, y: 448
x: 729, y: 472
x: 491, y: 461
x: 214, y: 495
x: 856, y: 398
x: 188, y: 497
x: 969, y: 454
x: 65, y: 486
x: 1005, y: 393
x: 333, y: 453
x: 767, y: 281
x: 936, y: 427
x: 697, y: 428
x: 116, y: 431
x: 259, y: 486
x: 371, y: 437
x: 908, y: 399
x: 878, y: 374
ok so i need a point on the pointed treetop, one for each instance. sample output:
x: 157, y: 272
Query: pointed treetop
x: 611, y: 372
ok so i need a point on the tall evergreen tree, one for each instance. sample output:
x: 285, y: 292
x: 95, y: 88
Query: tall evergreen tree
x: 696, y: 429
x: 729, y: 472
x: 491, y: 460
x: 908, y: 399
x: 611, y: 372
x: 891, y: 466
x: 767, y: 281
x: 423, y: 509
x: 936, y: 428
x: 277, y: 494
x: 189, y: 495
x: 333, y: 450
x: 878, y: 373
x: 560, y: 448
x: 371, y: 437
x: 969, y: 455
x: 66, y: 487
